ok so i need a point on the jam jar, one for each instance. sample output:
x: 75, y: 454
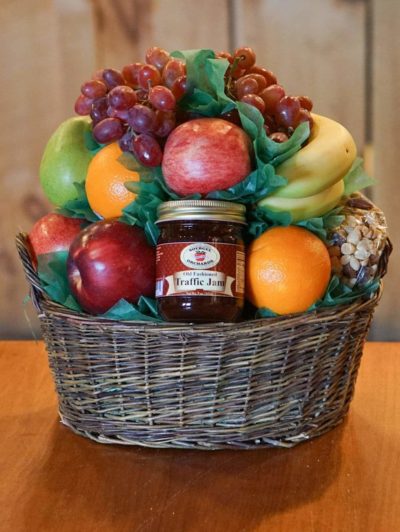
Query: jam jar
x: 200, y: 261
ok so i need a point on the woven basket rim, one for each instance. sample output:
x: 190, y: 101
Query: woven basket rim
x: 317, y: 316
x: 47, y: 306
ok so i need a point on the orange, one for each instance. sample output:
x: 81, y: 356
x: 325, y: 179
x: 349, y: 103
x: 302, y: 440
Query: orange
x: 288, y: 269
x: 105, y: 189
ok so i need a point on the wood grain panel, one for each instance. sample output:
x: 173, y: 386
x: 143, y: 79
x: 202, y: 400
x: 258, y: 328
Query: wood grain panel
x: 315, y: 48
x: 46, y: 51
x: 126, y: 28
x: 76, y: 48
x: 48, y: 47
x: 386, y: 132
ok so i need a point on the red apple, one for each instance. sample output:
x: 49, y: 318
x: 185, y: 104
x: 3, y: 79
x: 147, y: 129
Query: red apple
x: 109, y: 261
x: 54, y: 232
x: 204, y: 155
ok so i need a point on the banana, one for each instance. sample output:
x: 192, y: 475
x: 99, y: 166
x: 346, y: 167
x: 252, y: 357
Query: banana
x: 324, y: 161
x: 308, y: 207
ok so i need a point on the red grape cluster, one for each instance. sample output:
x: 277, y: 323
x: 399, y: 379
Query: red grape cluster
x: 247, y: 82
x: 136, y: 106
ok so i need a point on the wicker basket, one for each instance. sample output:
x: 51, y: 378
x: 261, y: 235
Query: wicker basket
x: 261, y: 383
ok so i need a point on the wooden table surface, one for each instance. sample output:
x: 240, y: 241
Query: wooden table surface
x: 51, y: 479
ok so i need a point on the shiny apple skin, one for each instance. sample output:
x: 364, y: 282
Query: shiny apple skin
x: 109, y: 261
x: 204, y: 155
x: 54, y: 232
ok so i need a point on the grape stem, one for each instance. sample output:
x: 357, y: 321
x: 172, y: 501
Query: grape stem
x: 229, y: 81
x: 132, y: 132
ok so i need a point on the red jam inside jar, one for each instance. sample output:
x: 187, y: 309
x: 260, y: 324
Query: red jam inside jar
x: 200, y: 261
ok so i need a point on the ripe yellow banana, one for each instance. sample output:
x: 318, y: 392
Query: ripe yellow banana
x: 308, y: 207
x: 324, y: 161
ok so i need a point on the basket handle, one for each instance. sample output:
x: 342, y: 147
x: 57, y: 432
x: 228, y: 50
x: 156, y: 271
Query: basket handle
x: 25, y: 254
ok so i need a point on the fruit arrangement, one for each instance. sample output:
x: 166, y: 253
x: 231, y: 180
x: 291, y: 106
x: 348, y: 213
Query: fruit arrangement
x: 203, y: 130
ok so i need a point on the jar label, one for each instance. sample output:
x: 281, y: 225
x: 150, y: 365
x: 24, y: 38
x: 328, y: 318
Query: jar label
x: 200, y: 268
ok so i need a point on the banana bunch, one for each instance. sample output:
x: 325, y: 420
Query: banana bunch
x: 315, y: 173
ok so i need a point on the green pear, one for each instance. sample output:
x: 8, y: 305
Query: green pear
x: 66, y: 159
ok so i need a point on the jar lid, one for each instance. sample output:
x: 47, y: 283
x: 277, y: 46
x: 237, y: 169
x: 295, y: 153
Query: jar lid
x: 221, y: 211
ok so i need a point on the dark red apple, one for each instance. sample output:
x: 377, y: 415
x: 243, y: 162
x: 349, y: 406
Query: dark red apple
x: 204, y: 155
x: 54, y: 232
x: 109, y: 261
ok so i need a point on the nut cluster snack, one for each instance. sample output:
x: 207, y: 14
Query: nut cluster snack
x: 357, y: 244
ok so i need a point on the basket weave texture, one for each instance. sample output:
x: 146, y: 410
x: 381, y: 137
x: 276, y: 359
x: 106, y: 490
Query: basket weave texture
x: 261, y: 383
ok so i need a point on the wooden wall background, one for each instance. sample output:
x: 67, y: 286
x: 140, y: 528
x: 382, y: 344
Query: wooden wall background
x: 345, y: 54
